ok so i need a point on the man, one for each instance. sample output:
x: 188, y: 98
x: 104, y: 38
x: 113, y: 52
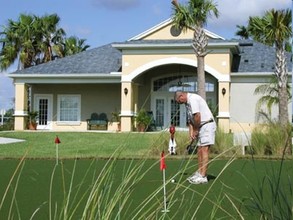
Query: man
x: 202, y: 128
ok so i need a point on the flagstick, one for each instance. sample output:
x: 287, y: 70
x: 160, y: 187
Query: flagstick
x: 57, y: 141
x: 165, y: 196
x: 56, y: 154
x: 162, y: 168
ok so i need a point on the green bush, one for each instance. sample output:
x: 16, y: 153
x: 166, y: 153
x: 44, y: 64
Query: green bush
x: 270, y: 139
x: 8, y: 125
x: 223, y: 142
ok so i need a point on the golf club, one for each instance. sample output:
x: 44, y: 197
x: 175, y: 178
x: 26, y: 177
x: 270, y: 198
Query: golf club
x: 192, y: 147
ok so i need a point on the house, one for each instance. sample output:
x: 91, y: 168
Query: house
x: 144, y: 72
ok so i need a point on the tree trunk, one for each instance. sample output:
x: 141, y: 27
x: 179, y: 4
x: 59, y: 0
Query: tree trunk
x: 201, y: 77
x: 281, y: 72
x: 282, y: 75
x: 200, y: 42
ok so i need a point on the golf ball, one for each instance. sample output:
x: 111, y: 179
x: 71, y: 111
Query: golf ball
x: 173, y: 181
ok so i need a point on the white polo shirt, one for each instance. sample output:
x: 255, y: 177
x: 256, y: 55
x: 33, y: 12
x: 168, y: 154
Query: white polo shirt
x: 195, y: 104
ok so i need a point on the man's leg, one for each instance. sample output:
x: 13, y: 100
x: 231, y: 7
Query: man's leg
x: 203, y: 159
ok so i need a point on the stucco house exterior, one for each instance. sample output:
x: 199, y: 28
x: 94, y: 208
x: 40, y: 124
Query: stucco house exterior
x: 144, y: 72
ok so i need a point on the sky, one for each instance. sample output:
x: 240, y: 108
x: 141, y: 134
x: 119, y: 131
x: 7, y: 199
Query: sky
x: 105, y: 21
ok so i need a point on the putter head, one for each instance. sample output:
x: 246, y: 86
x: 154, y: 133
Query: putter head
x: 191, y: 149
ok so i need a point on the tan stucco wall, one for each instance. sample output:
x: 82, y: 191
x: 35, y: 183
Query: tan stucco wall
x: 218, y: 64
x: 165, y: 34
x: 21, y: 101
x: 99, y: 98
x: 131, y: 62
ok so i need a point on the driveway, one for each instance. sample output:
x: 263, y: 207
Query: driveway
x: 9, y: 140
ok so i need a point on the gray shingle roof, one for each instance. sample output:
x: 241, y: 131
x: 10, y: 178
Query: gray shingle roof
x: 104, y: 59
x: 256, y: 57
x: 253, y: 57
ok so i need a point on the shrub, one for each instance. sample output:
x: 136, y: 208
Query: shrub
x: 269, y: 139
x: 223, y: 141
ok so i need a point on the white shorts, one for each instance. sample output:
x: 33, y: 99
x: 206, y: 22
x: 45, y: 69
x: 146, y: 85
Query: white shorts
x: 207, y: 134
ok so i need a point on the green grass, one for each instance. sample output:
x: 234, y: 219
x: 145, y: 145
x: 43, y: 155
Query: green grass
x: 231, y: 187
x: 117, y: 175
x: 83, y: 144
x: 41, y: 144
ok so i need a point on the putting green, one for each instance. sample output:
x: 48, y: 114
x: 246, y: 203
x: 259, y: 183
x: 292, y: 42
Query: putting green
x: 133, y: 189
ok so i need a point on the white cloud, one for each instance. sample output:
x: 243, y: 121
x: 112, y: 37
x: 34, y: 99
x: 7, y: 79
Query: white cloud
x: 234, y: 13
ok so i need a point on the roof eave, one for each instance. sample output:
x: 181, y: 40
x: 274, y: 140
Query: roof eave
x: 124, y: 46
x: 75, y: 75
x: 114, y: 77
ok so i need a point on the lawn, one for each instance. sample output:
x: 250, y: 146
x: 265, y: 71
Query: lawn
x: 92, y: 182
x: 84, y: 144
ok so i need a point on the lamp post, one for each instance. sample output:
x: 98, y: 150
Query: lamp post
x: 2, y: 113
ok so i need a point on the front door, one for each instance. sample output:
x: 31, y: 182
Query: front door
x: 43, y: 104
x: 177, y: 113
x: 167, y: 112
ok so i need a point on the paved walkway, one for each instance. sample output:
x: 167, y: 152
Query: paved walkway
x: 9, y: 140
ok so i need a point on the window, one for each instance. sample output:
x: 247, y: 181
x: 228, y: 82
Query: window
x: 210, y: 87
x: 183, y: 83
x: 69, y: 108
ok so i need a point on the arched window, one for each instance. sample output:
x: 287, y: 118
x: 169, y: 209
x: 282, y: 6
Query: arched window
x: 183, y: 83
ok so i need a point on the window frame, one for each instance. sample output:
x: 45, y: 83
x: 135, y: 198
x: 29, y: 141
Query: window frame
x: 78, y: 119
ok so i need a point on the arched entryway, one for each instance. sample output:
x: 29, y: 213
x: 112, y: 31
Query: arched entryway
x: 152, y: 86
x: 156, y: 92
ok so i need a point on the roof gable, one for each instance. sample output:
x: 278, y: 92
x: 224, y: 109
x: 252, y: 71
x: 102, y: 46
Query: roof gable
x: 164, y: 30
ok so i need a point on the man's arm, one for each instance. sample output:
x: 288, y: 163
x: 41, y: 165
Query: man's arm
x: 194, y: 128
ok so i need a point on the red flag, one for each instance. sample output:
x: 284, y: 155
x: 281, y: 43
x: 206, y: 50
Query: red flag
x: 57, y: 140
x: 162, y: 162
x: 172, y: 129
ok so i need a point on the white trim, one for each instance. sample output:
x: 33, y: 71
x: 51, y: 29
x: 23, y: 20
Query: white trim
x: 186, y: 45
x: 151, y: 30
x: 113, y: 77
x: 251, y: 74
x: 173, y: 60
x: 127, y: 113
x: 65, y: 75
x: 20, y: 113
x: 224, y: 115
x: 66, y: 79
x: 49, y: 97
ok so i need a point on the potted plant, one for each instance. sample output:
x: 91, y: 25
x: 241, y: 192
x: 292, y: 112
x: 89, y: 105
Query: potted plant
x: 143, y: 120
x: 115, y: 122
x: 32, y: 120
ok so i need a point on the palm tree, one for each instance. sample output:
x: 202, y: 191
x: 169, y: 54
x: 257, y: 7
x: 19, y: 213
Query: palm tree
x: 194, y: 16
x: 269, y: 94
x: 274, y: 29
x: 49, y: 34
x: 72, y: 45
x: 17, y: 42
x: 29, y: 40
x: 242, y: 32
